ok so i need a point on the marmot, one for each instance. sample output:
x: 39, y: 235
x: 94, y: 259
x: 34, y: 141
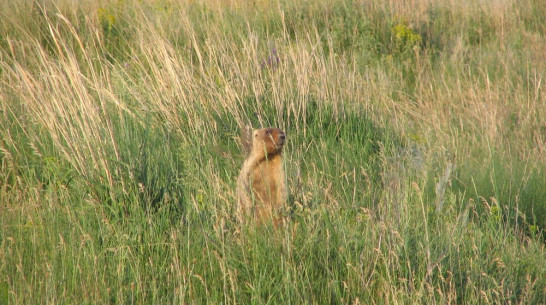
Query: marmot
x: 261, y: 188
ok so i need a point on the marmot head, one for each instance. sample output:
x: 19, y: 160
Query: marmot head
x: 269, y: 139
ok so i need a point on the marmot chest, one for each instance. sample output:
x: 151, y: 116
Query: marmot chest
x: 266, y: 179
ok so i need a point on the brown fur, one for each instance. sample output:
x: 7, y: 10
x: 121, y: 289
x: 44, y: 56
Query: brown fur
x: 261, y: 188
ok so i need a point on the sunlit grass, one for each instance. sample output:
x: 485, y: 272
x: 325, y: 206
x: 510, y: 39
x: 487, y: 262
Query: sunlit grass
x: 415, y: 155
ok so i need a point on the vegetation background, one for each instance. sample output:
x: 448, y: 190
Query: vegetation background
x: 416, y: 152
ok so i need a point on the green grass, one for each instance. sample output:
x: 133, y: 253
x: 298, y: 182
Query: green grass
x: 415, y: 156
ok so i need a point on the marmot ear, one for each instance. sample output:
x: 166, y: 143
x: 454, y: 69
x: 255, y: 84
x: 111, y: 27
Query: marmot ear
x: 246, y: 138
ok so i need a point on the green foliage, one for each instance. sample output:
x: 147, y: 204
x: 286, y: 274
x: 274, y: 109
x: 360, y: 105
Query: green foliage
x: 350, y: 31
x: 116, y: 30
x: 405, y: 39
x: 150, y: 167
x: 119, y: 152
x: 515, y: 186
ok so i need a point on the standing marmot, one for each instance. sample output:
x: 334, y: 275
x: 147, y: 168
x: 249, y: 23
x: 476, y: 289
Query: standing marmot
x: 261, y: 188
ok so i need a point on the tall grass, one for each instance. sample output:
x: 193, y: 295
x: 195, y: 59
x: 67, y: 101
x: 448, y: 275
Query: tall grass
x: 416, y: 155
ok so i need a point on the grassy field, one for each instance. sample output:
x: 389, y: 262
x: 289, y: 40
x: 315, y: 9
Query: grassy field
x: 416, y: 153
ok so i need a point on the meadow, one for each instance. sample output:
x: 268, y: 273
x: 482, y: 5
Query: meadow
x: 415, y: 154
